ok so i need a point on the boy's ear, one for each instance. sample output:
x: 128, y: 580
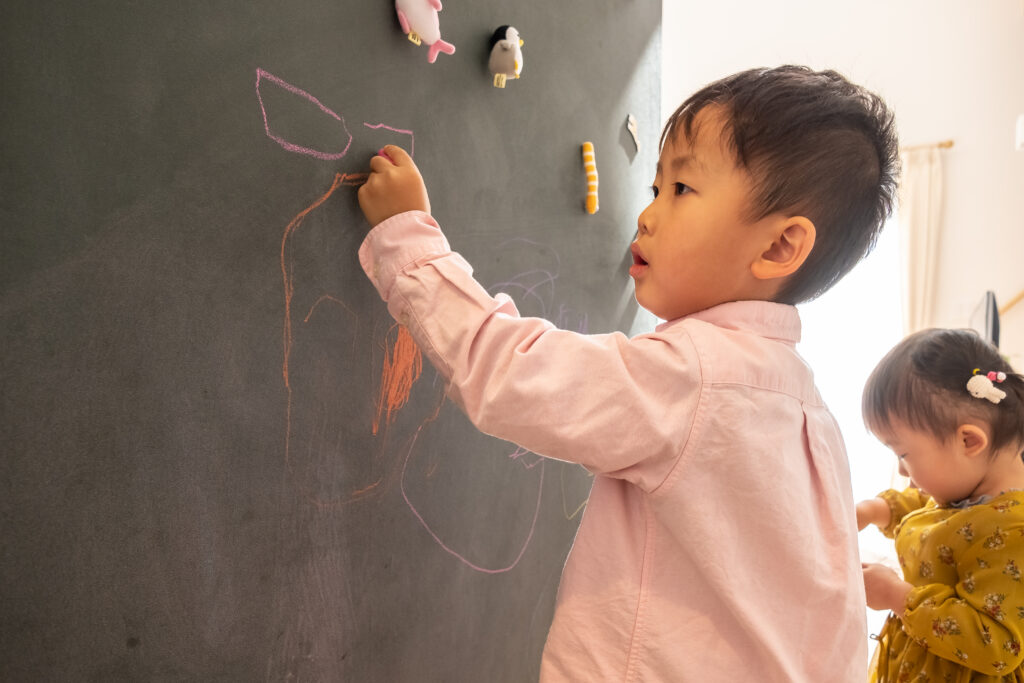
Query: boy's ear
x: 792, y: 240
x: 972, y: 439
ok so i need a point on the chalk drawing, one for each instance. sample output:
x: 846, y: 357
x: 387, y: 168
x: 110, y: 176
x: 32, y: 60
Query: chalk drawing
x: 458, y: 555
x: 536, y: 289
x: 261, y: 76
x: 402, y: 360
x: 396, y: 381
x: 412, y: 141
x: 402, y: 368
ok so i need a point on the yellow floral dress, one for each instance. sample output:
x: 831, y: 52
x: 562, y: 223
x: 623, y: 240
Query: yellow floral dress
x: 964, y: 617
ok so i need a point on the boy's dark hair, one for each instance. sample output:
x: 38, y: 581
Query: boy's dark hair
x: 815, y: 144
x: 922, y: 382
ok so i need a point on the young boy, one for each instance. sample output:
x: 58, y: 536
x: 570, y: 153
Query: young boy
x: 719, y: 543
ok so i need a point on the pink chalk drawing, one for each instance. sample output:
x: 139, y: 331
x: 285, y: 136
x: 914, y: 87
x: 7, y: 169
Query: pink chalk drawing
x: 412, y: 142
x: 455, y: 553
x: 534, y: 289
x: 379, y: 443
x: 320, y: 436
x: 262, y: 75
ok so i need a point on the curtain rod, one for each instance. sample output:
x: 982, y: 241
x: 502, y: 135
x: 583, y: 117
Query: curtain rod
x: 944, y: 144
x: 1012, y: 302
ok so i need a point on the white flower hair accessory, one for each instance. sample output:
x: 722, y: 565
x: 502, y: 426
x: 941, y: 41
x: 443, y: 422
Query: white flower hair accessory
x: 981, y: 386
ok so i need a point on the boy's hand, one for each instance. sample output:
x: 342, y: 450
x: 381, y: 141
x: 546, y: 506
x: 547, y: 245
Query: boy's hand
x: 885, y: 589
x: 394, y: 186
x: 873, y: 511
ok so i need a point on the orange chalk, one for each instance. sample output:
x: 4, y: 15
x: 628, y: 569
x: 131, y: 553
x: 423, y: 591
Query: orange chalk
x: 400, y: 372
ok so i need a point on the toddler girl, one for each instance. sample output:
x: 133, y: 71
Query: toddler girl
x: 952, y: 410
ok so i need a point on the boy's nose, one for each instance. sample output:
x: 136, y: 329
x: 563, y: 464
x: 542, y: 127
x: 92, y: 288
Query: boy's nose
x: 643, y: 222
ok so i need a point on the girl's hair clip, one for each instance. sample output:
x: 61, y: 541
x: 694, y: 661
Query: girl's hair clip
x: 981, y: 386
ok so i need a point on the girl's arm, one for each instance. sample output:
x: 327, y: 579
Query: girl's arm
x: 873, y: 511
x: 900, y: 504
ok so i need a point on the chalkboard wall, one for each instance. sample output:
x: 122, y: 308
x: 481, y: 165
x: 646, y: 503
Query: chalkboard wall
x: 221, y: 460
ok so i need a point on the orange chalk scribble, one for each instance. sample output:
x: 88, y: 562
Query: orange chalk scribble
x: 351, y: 179
x: 340, y: 179
x: 363, y: 491
x: 324, y: 298
x: 401, y: 370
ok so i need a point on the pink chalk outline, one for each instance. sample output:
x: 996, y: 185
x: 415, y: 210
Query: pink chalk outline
x: 290, y: 146
x: 298, y: 149
x: 531, y: 285
x: 329, y: 156
x: 412, y: 140
x: 444, y: 546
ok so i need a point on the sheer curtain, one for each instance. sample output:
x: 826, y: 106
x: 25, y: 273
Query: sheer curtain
x: 920, y: 224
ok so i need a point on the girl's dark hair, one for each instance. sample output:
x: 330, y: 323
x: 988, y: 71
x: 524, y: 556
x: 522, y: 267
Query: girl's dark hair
x: 922, y: 382
x: 815, y: 144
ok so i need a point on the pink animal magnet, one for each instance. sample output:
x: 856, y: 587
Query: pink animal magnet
x: 419, y: 22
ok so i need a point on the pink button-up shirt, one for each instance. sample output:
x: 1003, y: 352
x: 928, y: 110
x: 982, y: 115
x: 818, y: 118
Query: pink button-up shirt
x: 719, y: 542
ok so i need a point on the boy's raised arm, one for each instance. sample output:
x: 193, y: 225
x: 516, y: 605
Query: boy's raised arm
x: 596, y: 400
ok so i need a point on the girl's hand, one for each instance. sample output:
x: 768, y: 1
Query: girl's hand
x: 873, y: 511
x: 885, y: 589
x: 394, y: 186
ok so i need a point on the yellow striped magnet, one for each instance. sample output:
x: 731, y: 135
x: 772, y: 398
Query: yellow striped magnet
x: 590, y: 165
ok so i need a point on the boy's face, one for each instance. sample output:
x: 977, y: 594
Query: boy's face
x: 694, y: 246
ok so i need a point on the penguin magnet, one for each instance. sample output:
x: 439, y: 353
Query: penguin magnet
x: 418, y: 19
x: 506, y: 60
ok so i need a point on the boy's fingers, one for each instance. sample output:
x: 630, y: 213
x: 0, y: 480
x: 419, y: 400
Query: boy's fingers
x: 378, y: 164
x: 398, y: 155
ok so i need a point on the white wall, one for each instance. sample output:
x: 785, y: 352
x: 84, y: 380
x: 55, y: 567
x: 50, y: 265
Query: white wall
x: 949, y: 69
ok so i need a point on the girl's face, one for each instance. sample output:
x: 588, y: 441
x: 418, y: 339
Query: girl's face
x: 939, y: 467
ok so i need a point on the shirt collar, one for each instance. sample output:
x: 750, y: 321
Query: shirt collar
x: 764, y: 318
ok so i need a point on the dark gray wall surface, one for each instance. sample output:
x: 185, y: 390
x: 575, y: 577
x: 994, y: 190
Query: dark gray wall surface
x: 200, y: 479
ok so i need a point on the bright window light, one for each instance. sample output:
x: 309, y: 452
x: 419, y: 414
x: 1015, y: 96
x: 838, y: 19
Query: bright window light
x: 845, y: 333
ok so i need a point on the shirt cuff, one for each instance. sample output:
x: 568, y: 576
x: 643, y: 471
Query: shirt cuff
x: 398, y: 242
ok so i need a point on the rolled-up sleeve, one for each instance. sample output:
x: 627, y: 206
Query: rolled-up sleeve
x: 618, y: 406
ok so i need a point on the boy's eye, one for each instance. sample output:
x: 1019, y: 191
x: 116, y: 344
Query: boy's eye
x: 677, y: 188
